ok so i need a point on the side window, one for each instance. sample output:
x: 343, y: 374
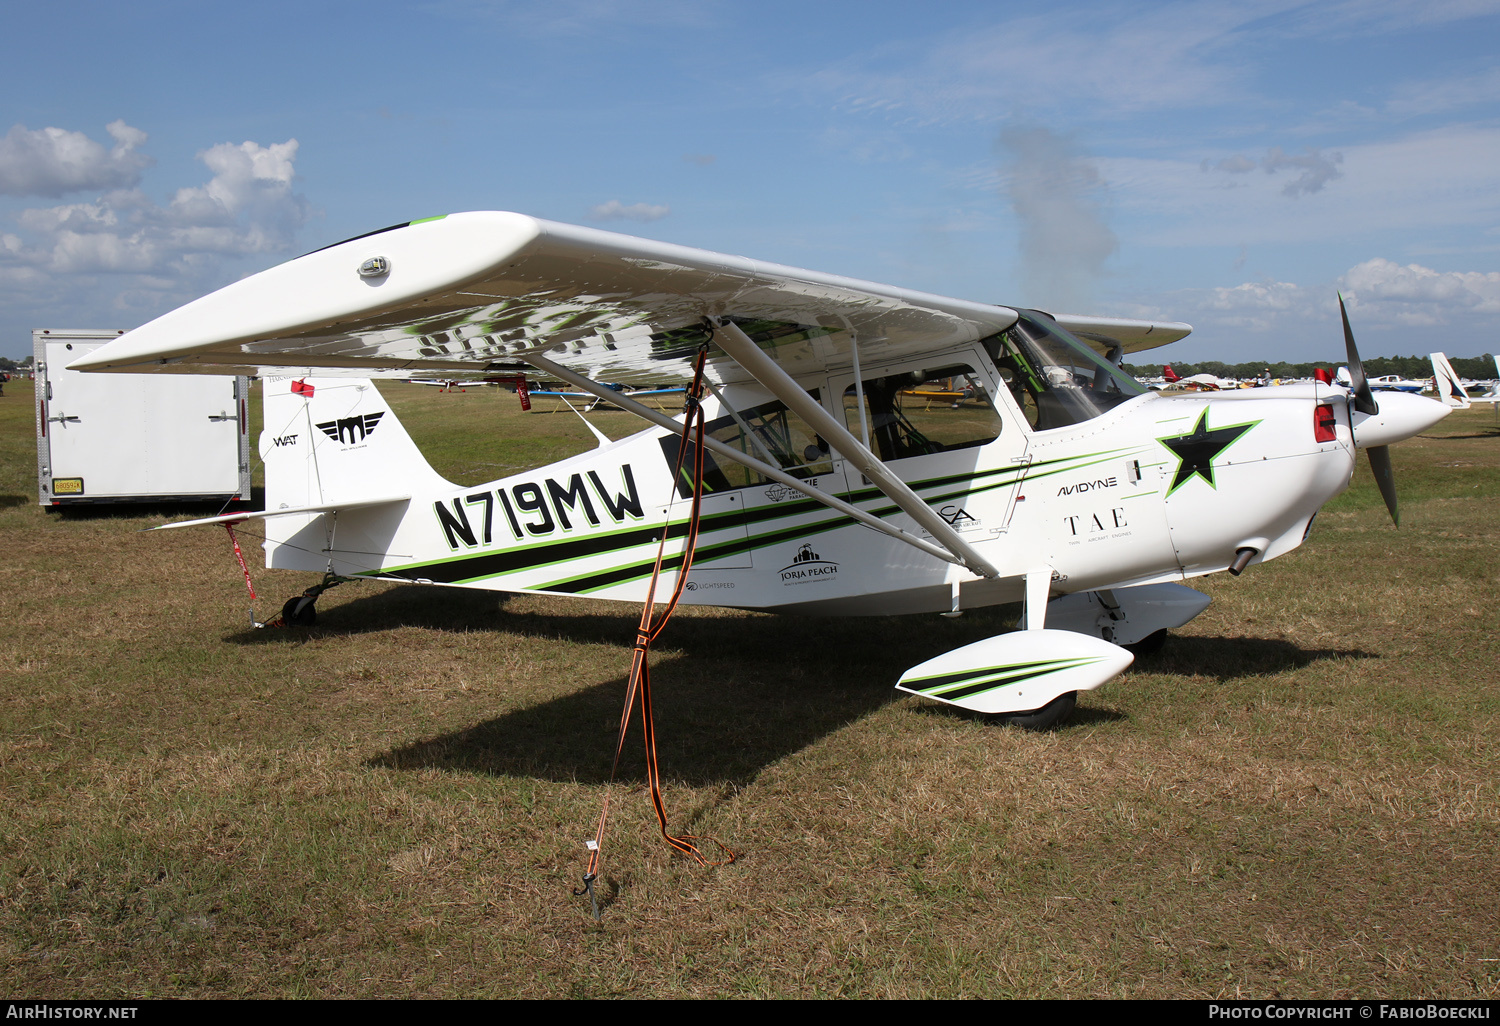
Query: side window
x: 924, y: 411
x: 776, y: 436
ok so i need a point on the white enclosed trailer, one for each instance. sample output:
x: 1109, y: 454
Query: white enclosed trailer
x: 135, y: 437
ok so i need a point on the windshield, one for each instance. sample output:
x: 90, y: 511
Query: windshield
x: 1056, y: 379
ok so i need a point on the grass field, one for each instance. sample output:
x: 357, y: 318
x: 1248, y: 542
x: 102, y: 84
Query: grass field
x: 1296, y: 798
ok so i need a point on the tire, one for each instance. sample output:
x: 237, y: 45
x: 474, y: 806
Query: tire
x: 300, y: 611
x: 1045, y: 718
x: 1149, y: 645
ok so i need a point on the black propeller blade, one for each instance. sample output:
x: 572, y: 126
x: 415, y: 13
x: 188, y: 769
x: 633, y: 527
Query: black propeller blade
x: 1364, y: 402
x: 1364, y: 399
x: 1385, y: 479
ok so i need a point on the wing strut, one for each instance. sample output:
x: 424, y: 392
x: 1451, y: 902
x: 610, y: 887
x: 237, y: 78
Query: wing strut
x: 766, y: 370
x: 729, y: 452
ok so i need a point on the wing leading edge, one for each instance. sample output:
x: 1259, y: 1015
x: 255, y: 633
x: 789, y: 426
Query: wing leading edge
x: 472, y: 291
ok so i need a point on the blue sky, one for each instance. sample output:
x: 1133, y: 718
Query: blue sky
x: 1227, y: 164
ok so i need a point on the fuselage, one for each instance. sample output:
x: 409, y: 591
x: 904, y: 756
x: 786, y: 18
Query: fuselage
x: 1150, y: 489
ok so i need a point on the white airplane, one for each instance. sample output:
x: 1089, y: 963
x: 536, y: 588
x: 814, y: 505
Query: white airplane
x: 827, y: 487
x: 1492, y: 394
x: 449, y: 384
x: 1388, y: 383
x: 593, y: 402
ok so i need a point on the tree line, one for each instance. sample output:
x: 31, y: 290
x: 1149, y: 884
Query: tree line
x: 1478, y: 368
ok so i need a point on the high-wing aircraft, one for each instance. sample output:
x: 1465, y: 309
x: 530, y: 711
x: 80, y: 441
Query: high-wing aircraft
x: 829, y: 485
x: 594, y: 402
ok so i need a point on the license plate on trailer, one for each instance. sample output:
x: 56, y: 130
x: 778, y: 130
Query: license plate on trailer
x: 67, y: 486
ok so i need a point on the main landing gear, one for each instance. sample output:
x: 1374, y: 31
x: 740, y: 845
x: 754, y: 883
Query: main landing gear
x: 1045, y: 718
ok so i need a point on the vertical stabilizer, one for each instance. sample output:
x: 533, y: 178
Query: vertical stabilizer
x: 329, y: 441
x: 1450, y: 389
x: 332, y: 440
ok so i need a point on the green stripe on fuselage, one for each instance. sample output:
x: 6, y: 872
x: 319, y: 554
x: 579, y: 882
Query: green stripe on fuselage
x: 472, y: 567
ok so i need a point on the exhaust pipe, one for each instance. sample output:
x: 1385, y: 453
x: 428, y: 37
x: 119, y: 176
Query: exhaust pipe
x: 1242, y: 558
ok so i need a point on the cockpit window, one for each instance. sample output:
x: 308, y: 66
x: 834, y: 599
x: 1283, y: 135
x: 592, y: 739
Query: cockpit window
x: 923, y: 411
x: 777, y: 436
x: 1056, y: 379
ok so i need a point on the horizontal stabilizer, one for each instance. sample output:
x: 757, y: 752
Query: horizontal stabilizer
x: 262, y: 514
x: 1016, y: 672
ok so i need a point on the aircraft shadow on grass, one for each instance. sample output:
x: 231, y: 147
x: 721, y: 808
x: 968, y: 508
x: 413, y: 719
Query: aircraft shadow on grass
x: 1227, y: 659
x: 710, y: 732
x: 736, y: 694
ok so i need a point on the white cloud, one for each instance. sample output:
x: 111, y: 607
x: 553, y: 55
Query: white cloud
x: 1364, y: 17
x: 1437, y: 95
x: 1394, y: 308
x: 1392, y: 294
x: 1258, y: 306
x: 247, y: 207
x: 604, y: 19
x: 54, y: 161
x: 614, y: 210
x: 1113, y: 60
x: 1424, y: 181
x: 124, y: 255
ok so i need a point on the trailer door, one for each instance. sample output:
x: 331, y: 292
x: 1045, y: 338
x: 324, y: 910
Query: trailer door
x: 138, y: 435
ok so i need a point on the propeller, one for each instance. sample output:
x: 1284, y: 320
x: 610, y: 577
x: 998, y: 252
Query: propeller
x: 1364, y: 399
x: 1364, y: 402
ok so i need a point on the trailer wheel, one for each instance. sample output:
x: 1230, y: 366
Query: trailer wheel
x: 300, y: 611
x: 1045, y: 718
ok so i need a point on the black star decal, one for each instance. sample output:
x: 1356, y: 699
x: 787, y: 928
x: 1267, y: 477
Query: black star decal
x: 1196, y: 451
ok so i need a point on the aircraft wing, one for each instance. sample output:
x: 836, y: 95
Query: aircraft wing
x: 1133, y: 336
x: 470, y: 292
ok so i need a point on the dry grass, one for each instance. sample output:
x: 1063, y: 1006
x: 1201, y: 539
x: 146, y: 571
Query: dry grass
x: 1297, y: 798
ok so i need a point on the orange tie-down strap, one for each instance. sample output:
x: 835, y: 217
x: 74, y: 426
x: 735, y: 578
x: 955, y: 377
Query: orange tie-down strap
x: 638, y: 690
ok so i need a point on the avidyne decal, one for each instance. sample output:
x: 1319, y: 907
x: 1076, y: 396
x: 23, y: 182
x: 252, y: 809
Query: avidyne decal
x: 532, y: 510
x: 1088, y: 486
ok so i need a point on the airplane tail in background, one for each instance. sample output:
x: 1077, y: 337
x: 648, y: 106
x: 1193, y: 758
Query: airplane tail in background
x: 1450, y: 391
x: 1169, y: 375
x: 329, y: 441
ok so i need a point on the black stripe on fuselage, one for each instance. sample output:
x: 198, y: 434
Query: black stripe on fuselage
x: 466, y: 569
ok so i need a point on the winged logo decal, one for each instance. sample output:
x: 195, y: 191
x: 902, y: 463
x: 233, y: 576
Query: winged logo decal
x: 350, y: 430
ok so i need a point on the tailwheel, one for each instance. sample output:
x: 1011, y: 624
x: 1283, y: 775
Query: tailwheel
x: 301, y: 611
x: 1045, y: 718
